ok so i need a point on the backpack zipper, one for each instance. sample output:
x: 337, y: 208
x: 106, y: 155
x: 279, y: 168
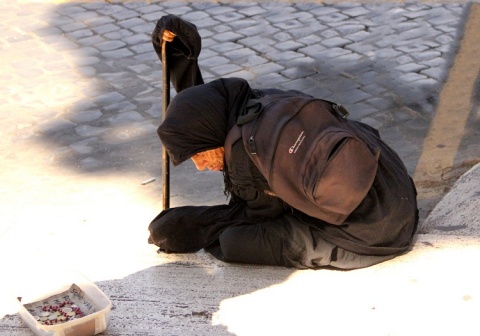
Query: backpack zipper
x: 251, y: 140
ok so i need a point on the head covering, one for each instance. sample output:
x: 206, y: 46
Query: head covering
x: 199, y: 118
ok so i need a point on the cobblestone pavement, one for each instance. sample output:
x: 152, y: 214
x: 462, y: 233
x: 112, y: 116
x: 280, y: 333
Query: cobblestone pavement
x: 84, y: 81
x: 81, y: 85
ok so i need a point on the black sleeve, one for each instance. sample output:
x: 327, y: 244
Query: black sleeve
x: 182, y: 52
x: 187, y: 229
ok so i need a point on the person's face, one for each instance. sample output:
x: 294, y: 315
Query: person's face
x: 211, y: 159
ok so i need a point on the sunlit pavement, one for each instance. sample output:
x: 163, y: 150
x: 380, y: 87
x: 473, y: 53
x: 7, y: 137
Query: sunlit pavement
x: 80, y: 100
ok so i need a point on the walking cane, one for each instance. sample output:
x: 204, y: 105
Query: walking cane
x: 166, y: 101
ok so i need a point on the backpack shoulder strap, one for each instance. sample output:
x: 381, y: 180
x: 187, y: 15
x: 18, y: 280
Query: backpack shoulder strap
x: 233, y: 135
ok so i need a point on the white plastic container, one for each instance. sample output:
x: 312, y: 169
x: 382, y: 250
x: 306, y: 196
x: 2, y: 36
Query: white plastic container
x: 53, y: 284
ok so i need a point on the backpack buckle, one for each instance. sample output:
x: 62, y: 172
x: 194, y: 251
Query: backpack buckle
x: 340, y: 110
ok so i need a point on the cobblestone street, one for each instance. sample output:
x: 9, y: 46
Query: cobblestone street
x: 91, y: 93
x: 80, y: 102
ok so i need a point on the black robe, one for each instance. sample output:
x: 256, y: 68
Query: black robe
x: 256, y: 227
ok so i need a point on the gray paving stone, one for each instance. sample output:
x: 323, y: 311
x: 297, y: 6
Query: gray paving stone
x: 84, y: 146
x: 310, y: 39
x: 85, y: 116
x: 225, y: 69
x: 59, y: 21
x: 225, y: 47
x: 213, y: 61
x: 89, y: 60
x: 181, y: 10
x: 90, y: 163
x: 287, y: 25
x: 425, y: 55
x: 292, y: 20
x: 110, y: 9
x: 132, y: 22
x: 380, y: 103
x: 107, y: 28
x: 221, y: 28
x: 332, y: 18
x: 329, y: 33
x: 142, y: 48
x: 79, y: 34
x: 435, y: 62
x: 238, y: 25
x: 70, y: 27
x: 146, y: 28
x: 289, y: 45
x: 87, y: 71
x: 91, y: 40
x: 413, y: 33
x: 298, y: 72
x: 254, y: 60
x: 124, y: 118
x: 277, y: 8
x: 56, y: 125
x: 447, y: 29
x: 335, y: 42
x: 49, y: 31
x: 99, y: 21
x: 195, y: 16
x: 355, y: 30
x: 219, y: 10
x: 82, y: 16
x: 413, y: 47
x: 356, y: 11
x: 94, y: 5
x: 411, y: 77
x: 410, y: 67
x: 64, y: 44
x: 88, y: 131
x: 403, y: 59
x: 137, y: 39
x: 286, y: 56
x: 121, y: 107
x: 109, y: 98
x: 245, y: 74
x: 109, y: 45
x: 259, y: 29
x: 349, y: 58
x: 118, y: 53
x: 266, y: 68
x: 354, y: 96
x: 303, y: 85
x: 435, y: 73
x: 324, y: 10
x: 228, y: 37
x: 237, y: 54
x: 149, y: 8
x: 252, y: 10
x: 69, y: 10
x: 389, y: 53
x: 140, y: 68
x: 120, y: 34
x: 414, y: 14
x: 315, y: 51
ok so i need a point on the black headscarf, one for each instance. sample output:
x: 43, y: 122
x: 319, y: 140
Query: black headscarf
x: 199, y: 118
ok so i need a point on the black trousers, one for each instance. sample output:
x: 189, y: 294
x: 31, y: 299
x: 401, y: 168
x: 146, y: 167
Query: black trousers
x: 224, y: 232
x: 289, y: 244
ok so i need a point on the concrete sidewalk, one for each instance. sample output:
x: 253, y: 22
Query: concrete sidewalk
x: 80, y: 103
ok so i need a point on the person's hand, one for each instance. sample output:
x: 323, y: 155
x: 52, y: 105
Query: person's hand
x: 168, y: 35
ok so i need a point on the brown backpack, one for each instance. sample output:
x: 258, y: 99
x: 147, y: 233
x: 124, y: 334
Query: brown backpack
x: 313, y: 158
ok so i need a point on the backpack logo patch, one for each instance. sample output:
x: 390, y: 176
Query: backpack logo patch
x: 294, y: 148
